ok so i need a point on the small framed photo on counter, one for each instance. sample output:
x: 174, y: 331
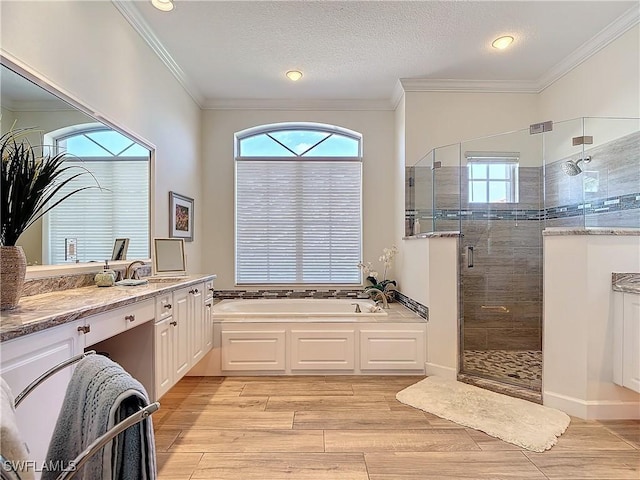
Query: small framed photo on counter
x: 120, y: 247
x: 180, y: 217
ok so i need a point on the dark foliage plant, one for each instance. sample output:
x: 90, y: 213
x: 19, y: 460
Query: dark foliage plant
x: 29, y: 183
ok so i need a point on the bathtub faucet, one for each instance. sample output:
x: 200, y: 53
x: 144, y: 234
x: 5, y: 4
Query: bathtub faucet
x: 357, y: 307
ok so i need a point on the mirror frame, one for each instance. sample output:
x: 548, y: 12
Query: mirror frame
x: 180, y: 257
x: 40, y: 271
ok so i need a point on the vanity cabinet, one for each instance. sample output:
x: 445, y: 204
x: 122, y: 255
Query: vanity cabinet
x: 26, y: 358
x: 626, y: 365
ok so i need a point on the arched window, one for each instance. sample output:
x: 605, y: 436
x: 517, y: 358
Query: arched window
x: 298, y: 204
x: 94, y: 218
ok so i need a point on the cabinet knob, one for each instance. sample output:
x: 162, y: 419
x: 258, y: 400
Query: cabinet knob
x: 167, y: 306
x: 174, y: 323
x: 211, y: 290
x: 130, y: 318
x: 84, y: 328
x: 195, y: 290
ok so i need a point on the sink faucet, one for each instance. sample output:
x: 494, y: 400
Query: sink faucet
x: 357, y: 307
x: 128, y: 273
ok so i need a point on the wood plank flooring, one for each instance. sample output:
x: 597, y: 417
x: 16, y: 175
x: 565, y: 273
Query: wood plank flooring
x: 353, y: 428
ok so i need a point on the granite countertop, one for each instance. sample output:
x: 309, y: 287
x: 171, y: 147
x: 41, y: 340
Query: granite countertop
x: 626, y: 282
x: 560, y: 231
x: 39, y: 312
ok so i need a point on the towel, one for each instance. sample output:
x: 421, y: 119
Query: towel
x: 101, y: 394
x: 12, y: 448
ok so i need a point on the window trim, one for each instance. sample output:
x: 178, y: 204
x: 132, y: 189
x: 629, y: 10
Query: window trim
x: 499, y: 158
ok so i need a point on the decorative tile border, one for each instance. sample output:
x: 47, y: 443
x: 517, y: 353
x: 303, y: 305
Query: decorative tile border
x: 412, y: 305
x: 288, y: 293
x: 618, y: 203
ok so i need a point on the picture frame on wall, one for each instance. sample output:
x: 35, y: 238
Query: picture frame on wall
x: 180, y: 217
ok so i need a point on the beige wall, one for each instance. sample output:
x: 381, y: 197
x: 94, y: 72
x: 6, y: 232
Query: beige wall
x: 378, y: 191
x: 89, y: 50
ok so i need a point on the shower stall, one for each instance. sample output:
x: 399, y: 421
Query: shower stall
x: 500, y: 193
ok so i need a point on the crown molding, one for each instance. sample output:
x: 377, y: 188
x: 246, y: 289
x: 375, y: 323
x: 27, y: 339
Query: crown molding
x: 470, y: 86
x: 295, y: 104
x: 611, y: 32
x: 397, y: 94
x: 132, y: 15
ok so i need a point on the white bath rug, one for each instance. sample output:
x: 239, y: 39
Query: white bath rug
x: 513, y: 420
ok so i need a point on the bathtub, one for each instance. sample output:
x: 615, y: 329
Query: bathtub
x: 292, y: 308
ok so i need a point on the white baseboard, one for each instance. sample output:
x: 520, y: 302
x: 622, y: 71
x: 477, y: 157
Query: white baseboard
x: 431, y: 369
x: 592, y: 409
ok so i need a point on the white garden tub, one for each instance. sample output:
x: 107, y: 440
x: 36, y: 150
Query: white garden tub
x: 297, y: 308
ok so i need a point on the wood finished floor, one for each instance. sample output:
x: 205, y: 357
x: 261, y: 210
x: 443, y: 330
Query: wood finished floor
x: 353, y: 428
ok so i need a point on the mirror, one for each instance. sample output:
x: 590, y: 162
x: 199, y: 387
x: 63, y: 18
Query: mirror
x: 168, y: 256
x: 119, y: 210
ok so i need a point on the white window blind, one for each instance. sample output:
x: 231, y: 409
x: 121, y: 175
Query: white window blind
x: 298, y: 221
x: 97, y: 217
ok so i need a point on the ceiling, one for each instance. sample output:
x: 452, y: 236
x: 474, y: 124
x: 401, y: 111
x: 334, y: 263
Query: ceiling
x: 237, y: 52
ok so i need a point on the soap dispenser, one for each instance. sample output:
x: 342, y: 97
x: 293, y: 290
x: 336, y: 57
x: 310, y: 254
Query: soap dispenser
x: 416, y: 226
x: 106, y: 278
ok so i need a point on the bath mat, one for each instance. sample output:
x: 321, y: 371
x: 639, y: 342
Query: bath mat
x: 513, y: 420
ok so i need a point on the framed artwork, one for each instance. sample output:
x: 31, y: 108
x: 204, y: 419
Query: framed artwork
x: 180, y: 217
x: 120, y: 247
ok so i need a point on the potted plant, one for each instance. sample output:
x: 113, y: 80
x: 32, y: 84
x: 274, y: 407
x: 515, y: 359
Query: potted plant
x: 29, y: 183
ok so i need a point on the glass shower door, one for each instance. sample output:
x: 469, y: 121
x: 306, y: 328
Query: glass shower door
x: 500, y: 270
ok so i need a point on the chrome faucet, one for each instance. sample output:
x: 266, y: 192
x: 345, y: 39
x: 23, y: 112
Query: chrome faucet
x: 128, y: 273
x: 357, y: 307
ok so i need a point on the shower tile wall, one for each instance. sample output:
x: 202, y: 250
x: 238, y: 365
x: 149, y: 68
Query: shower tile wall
x: 605, y: 194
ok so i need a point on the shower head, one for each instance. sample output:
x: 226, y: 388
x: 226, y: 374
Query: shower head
x: 572, y: 168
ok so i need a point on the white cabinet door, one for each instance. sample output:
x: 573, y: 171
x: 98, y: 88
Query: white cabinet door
x: 254, y: 349
x: 322, y: 349
x: 181, y: 351
x: 196, y: 323
x: 631, y: 342
x: 26, y: 358
x: 163, y: 353
x: 392, y: 350
x: 208, y: 326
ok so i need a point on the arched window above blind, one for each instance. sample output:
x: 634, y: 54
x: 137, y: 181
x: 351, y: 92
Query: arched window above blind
x: 298, y: 205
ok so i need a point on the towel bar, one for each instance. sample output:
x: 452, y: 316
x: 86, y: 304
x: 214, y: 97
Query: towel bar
x: 7, y: 470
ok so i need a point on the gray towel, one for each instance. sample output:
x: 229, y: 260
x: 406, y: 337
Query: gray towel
x: 101, y: 394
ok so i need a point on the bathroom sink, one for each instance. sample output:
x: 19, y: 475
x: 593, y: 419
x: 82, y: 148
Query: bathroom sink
x: 131, y: 282
x: 165, y: 279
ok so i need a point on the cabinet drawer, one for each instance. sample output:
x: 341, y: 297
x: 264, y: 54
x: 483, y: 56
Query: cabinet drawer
x: 108, y: 324
x: 164, y: 307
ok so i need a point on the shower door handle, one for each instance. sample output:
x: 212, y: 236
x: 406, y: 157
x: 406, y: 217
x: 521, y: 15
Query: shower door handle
x: 469, y: 257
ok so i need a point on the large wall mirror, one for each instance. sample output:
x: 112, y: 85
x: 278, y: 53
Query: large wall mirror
x: 92, y: 220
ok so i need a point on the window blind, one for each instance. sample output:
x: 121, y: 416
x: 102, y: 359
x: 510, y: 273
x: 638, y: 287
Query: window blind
x: 298, y: 221
x: 97, y: 217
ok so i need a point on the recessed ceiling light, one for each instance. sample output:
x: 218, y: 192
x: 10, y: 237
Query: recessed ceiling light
x: 502, y: 42
x: 294, y: 75
x: 164, y: 5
